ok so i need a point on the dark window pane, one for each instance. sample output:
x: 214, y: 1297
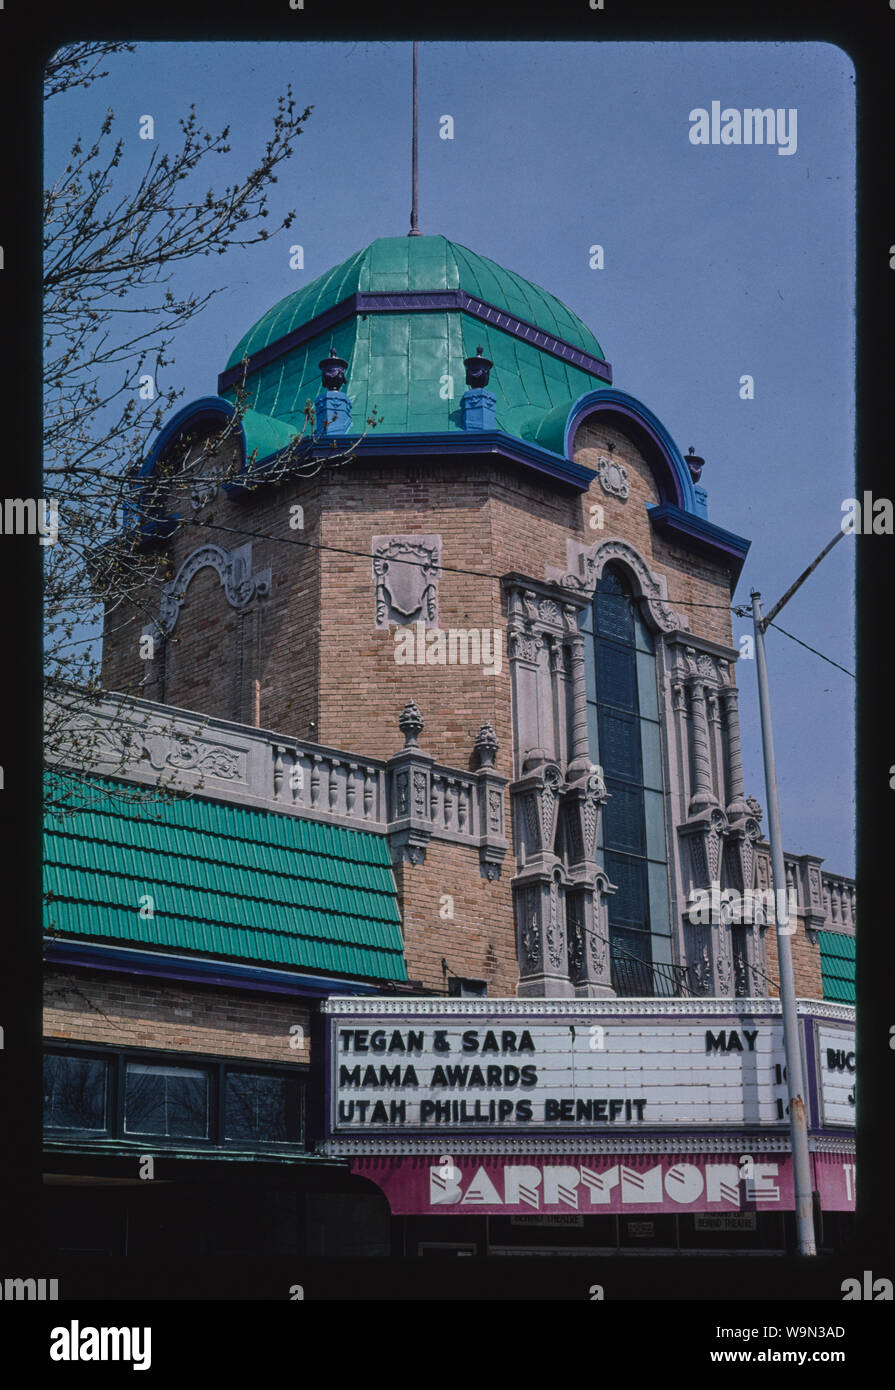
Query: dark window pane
x: 631, y: 957
x: 264, y: 1109
x: 623, y: 818
x: 620, y: 744
x: 628, y: 906
x: 613, y: 617
x: 75, y: 1091
x: 170, y: 1101
x: 616, y: 676
x: 614, y: 607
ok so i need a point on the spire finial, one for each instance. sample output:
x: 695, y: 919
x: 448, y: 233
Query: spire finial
x: 414, y: 216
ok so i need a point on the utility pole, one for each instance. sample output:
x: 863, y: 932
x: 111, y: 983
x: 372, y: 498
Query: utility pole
x: 798, y: 1122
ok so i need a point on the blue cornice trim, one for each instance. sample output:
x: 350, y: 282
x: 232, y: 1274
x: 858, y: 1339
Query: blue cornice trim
x: 665, y: 458
x: 573, y: 476
x: 201, y: 970
x: 419, y: 302
x: 205, y: 408
x: 697, y: 533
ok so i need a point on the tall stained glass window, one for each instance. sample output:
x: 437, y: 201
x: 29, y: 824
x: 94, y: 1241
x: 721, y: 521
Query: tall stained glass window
x: 624, y: 731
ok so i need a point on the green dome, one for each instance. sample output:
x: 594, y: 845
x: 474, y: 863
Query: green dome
x: 402, y: 361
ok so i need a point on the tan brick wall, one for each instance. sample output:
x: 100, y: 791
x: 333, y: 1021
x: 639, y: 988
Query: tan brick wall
x: 125, y: 1011
x: 217, y: 653
x: 325, y: 671
x: 806, y: 964
x: 480, y: 940
x: 327, y: 674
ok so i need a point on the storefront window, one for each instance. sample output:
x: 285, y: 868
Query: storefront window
x: 119, y: 1093
x: 265, y: 1109
x: 164, y: 1100
x: 75, y: 1092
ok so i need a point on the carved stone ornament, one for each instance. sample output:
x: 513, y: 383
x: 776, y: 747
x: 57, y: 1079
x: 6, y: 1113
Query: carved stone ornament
x: 585, y: 565
x: 166, y: 750
x: 530, y: 935
x: 575, y: 934
x: 411, y: 724
x: 554, y: 928
x: 740, y: 967
x: 234, y: 568
x: 405, y: 572
x: 717, y: 830
x: 613, y: 478
x: 723, y: 962
x: 540, y: 802
x: 486, y: 745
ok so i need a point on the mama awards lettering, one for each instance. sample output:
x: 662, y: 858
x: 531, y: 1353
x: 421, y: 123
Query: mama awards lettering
x: 457, y: 1092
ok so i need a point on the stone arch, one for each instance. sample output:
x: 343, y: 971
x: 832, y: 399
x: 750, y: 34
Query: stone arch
x: 585, y: 565
x: 234, y: 569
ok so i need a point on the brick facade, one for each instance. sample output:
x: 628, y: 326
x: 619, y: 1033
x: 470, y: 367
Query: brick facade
x: 806, y: 965
x: 134, y: 1011
x: 308, y: 660
x: 477, y: 942
x: 325, y: 671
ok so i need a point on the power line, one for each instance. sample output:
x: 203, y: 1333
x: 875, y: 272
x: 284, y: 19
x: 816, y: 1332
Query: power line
x: 480, y: 574
x: 813, y: 649
x: 414, y: 564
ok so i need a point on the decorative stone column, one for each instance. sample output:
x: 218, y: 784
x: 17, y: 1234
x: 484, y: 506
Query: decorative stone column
x: 587, y: 920
x: 494, y: 846
x: 703, y: 795
x: 538, y: 887
x: 737, y: 805
x: 811, y: 894
x: 409, y: 791
x: 541, y: 942
x: 580, y: 761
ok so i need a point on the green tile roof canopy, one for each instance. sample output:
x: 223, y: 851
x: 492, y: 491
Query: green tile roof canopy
x: 398, y: 360
x: 837, y: 964
x: 224, y: 880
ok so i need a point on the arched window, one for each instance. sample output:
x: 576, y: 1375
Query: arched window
x: 625, y: 738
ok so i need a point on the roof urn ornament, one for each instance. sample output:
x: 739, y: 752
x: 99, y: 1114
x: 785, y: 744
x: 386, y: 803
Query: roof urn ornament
x: 332, y: 371
x: 694, y: 463
x: 478, y: 369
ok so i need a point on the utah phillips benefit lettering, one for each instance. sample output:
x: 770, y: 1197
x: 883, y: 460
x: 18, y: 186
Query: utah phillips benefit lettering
x: 396, y: 1075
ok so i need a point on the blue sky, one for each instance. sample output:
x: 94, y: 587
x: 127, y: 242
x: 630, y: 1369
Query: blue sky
x: 720, y: 261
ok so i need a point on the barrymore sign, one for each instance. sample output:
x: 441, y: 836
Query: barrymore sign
x: 596, y: 1185
x: 508, y: 1066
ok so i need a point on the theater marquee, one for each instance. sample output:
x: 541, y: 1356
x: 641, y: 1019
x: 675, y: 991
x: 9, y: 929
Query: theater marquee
x: 510, y: 1067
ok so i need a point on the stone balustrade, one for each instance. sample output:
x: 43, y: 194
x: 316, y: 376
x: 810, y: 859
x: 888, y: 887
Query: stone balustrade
x: 408, y: 797
x: 827, y: 900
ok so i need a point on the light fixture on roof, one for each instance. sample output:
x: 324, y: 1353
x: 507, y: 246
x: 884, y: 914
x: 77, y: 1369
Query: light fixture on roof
x: 478, y: 369
x: 332, y: 371
x: 695, y: 464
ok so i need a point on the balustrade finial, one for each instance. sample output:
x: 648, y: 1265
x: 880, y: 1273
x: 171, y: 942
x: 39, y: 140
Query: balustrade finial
x: 486, y: 745
x: 411, y: 723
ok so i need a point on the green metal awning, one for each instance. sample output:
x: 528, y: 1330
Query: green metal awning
x: 222, y: 879
x: 837, y: 963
